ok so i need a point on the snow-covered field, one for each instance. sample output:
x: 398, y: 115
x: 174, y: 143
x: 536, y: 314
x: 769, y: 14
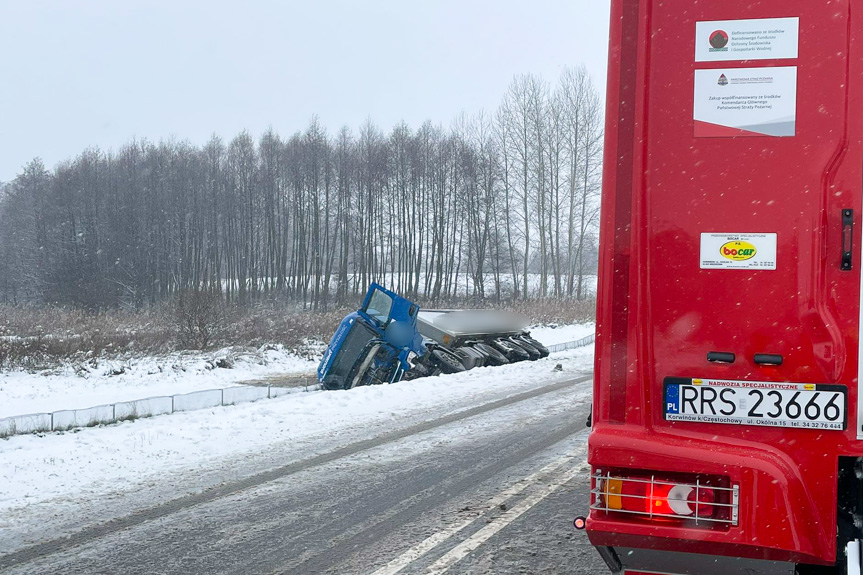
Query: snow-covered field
x: 50, y: 476
x: 553, y: 334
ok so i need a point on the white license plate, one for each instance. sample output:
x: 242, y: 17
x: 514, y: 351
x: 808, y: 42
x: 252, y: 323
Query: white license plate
x: 800, y: 405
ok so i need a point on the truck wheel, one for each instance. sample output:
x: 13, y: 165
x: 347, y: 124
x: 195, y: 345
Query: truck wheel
x: 531, y: 351
x: 448, y: 361
x: 494, y: 356
x: 512, y: 352
x: 543, y: 351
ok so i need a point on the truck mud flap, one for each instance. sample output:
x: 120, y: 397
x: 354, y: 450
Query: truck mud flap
x: 470, y: 357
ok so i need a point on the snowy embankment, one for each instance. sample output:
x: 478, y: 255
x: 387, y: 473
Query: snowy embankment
x: 79, y: 387
x: 57, y: 477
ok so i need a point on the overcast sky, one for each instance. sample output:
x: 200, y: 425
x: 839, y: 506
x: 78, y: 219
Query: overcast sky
x: 75, y: 74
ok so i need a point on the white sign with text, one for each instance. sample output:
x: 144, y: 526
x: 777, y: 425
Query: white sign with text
x: 761, y: 39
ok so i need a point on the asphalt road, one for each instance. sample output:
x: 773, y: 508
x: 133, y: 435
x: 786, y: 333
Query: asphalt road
x: 488, y: 490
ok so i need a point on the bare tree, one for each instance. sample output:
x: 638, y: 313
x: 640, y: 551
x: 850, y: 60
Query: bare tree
x: 583, y: 120
x: 483, y: 209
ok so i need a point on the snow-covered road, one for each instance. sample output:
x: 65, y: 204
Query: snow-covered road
x: 53, y: 485
x: 488, y: 489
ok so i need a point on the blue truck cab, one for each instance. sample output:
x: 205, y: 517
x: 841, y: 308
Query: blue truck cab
x: 373, y: 344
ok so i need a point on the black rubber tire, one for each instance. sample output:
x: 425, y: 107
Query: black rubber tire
x: 494, y: 356
x: 447, y: 361
x: 512, y: 352
x: 531, y: 351
x: 543, y: 351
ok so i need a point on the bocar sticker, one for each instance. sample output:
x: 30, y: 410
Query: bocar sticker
x: 738, y: 251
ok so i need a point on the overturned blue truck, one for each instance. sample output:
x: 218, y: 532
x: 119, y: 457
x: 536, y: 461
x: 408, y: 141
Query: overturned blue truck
x: 389, y: 339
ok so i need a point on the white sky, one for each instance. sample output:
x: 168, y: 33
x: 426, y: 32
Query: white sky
x: 77, y: 73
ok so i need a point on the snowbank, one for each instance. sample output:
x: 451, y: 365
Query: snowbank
x: 114, y: 381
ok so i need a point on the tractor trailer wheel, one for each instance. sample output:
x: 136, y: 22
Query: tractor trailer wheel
x: 494, y: 356
x: 447, y: 361
x: 531, y: 351
x: 543, y: 351
x: 512, y: 352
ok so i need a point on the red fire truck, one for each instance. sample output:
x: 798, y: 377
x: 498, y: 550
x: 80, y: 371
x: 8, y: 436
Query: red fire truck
x: 727, y: 431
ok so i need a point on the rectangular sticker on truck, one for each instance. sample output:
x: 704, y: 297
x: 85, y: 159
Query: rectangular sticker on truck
x: 766, y: 404
x: 758, y: 39
x: 745, y: 102
x: 738, y: 251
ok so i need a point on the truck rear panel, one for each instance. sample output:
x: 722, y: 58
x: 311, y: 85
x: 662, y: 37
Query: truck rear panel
x: 726, y: 244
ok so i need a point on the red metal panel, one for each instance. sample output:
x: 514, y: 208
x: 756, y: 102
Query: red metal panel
x: 659, y: 313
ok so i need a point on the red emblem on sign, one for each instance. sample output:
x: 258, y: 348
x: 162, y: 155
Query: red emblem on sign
x: 719, y: 39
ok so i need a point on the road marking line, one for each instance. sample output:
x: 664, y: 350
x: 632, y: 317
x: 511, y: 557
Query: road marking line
x: 461, y: 550
x: 419, y: 550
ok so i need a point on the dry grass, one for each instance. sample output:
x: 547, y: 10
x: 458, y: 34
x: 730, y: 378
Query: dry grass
x: 38, y: 338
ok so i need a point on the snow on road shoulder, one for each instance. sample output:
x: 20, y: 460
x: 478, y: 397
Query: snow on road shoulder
x: 23, y: 393
x: 40, y: 472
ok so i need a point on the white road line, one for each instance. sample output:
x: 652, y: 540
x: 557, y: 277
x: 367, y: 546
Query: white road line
x: 461, y: 550
x: 433, y: 541
x: 421, y: 549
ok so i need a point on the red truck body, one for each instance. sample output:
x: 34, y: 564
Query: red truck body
x: 722, y: 236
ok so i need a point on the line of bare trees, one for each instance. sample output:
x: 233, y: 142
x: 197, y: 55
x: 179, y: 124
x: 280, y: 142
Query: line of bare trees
x: 499, y: 206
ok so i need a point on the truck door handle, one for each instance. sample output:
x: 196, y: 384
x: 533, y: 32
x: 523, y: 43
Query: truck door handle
x: 847, y: 238
x: 720, y: 357
x: 768, y: 359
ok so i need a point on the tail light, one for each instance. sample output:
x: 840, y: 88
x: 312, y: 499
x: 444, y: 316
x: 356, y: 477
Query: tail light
x: 666, y: 498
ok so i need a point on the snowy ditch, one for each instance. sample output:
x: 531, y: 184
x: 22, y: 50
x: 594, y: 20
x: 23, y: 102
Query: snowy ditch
x: 68, y: 419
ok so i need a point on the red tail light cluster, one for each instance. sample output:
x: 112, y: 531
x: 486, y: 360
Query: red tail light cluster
x: 668, y: 498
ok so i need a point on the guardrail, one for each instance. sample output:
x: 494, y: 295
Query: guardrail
x: 585, y: 341
x: 67, y: 419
